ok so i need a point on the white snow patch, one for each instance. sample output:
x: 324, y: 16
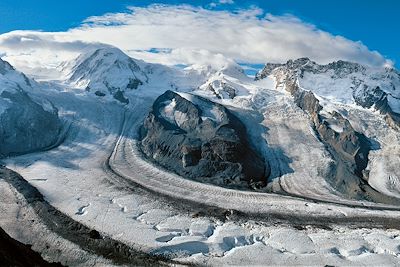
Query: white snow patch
x: 394, y: 103
x: 168, y: 111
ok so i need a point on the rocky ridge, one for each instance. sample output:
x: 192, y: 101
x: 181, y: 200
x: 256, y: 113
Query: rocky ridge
x: 348, y: 147
x: 222, y: 83
x: 202, y: 140
x: 26, y: 124
x: 367, y: 87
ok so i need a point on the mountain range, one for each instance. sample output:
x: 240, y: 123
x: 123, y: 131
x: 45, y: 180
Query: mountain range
x: 297, y: 136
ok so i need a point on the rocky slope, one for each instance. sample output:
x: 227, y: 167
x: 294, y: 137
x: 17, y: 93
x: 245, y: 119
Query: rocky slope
x: 344, y: 82
x: 14, y: 253
x: 26, y: 124
x: 202, y: 140
x: 328, y: 93
x: 223, y: 83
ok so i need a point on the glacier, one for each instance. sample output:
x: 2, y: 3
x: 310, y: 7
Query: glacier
x: 87, y: 164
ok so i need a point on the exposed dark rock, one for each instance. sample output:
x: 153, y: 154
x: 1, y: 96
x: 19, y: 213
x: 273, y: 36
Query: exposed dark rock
x: 307, y: 101
x: 365, y: 93
x: 376, y: 96
x: 348, y: 147
x: 134, y: 83
x: 339, y: 68
x: 94, y: 234
x: 14, y: 253
x: 368, y: 97
x: 352, y: 146
x: 65, y: 227
x: 99, y: 93
x: 202, y: 140
x: 392, y: 118
x: 267, y: 70
x: 120, y: 97
x: 223, y: 90
x: 25, y: 126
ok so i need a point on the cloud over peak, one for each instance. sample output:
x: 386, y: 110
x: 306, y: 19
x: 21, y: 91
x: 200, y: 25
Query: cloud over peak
x: 244, y: 35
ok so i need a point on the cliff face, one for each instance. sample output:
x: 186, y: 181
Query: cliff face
x: 14, y: 253
x: 336, y: 131
x: 202, y: 140
x: 346, y: 82
x: 25, y: 125
x: 349, y: 148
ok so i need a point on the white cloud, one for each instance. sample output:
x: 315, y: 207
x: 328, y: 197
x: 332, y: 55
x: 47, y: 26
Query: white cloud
x: 222, y: 2
x: 184, y: 56
x: 186, y: 32
x: 229, y: 2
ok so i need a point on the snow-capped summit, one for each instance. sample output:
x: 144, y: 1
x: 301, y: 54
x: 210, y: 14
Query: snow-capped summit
x: 342, y: 82
x: 12, y: 79
x: 105, y: 71
x: 231, y: 69
x: 223, y: 83
x: 5, y: 67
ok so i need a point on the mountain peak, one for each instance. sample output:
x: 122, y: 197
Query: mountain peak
x: 11, y: 79
x: 105, y: 71
x: 342, y: 82
x: 5, y: 67
x: 340, y: 68
x: 300, y: 62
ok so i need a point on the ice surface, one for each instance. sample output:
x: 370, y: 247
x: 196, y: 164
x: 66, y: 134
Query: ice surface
x: 75, y: 179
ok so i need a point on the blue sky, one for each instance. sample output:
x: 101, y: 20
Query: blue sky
x: 374, y: 23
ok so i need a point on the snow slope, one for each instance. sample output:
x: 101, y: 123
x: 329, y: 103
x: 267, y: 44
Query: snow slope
x: 105, y: 71
x: 73, y: 179
x: 110, y: 73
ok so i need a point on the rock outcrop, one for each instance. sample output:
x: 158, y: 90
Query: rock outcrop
x: 14, y: 253
x: 222, y: 90
x: 25, y: 125
x: 201, y: 140
x: 349, y: 148
x: 334, y: 130
x: 365, y: 86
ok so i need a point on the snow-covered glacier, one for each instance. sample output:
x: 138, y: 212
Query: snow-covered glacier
x: 326, y: 137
